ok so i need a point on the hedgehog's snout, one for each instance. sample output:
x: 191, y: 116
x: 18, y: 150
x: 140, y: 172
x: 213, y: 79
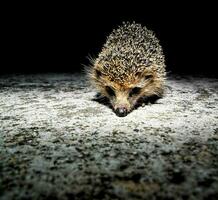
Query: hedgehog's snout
x: 121, y: 111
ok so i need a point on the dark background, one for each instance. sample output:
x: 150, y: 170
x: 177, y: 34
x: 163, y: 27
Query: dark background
x: 58, y: 38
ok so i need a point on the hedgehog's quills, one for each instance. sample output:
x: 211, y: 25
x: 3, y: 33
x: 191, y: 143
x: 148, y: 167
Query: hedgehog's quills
x: 130, y: 67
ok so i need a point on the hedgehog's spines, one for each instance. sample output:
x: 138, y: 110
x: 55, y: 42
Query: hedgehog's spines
x: 129, y: 49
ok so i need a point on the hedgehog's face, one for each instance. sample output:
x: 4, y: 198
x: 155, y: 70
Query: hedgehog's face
x: 123, y: 96
x: 123, y: 100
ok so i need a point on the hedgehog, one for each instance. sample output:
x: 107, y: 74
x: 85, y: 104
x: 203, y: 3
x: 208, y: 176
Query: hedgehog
x: 129, y: 69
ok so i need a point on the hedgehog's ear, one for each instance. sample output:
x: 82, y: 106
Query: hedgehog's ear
x: 148, y: 76
x: 139, y: 74
x: 97, y: 73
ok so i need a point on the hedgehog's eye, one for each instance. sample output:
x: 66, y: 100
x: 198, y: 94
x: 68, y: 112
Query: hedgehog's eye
x: 110, y: 91
x: 134, y: 91
x: 98, y: 73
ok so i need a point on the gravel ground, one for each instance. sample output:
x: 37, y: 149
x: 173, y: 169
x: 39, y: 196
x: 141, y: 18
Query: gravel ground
x: 57, y: 143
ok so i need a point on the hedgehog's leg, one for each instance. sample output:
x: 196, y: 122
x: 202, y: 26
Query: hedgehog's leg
x: 151, y: 93
x: 148, y: 99
x: 99, y: 97
x: 102, y: 99
x: 152, y: 99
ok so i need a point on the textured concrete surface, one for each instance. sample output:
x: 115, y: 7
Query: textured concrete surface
x: 56, y: 143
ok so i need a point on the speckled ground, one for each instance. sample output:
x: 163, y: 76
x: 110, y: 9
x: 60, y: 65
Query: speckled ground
x: 56, y: 143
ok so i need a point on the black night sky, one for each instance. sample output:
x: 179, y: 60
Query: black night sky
x: 58, y: 38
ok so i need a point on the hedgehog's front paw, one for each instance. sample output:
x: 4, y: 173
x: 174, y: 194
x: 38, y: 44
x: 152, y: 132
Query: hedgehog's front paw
x: 145, y: 100
x: 102, y: 100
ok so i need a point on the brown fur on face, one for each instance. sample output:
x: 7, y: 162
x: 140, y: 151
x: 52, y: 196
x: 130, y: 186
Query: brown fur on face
x: 148, y: 83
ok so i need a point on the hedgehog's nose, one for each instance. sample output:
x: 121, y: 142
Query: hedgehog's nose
x: 121, y: 112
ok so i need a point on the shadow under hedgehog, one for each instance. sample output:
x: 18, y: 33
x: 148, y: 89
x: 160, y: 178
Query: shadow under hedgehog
x: 130, y: 68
